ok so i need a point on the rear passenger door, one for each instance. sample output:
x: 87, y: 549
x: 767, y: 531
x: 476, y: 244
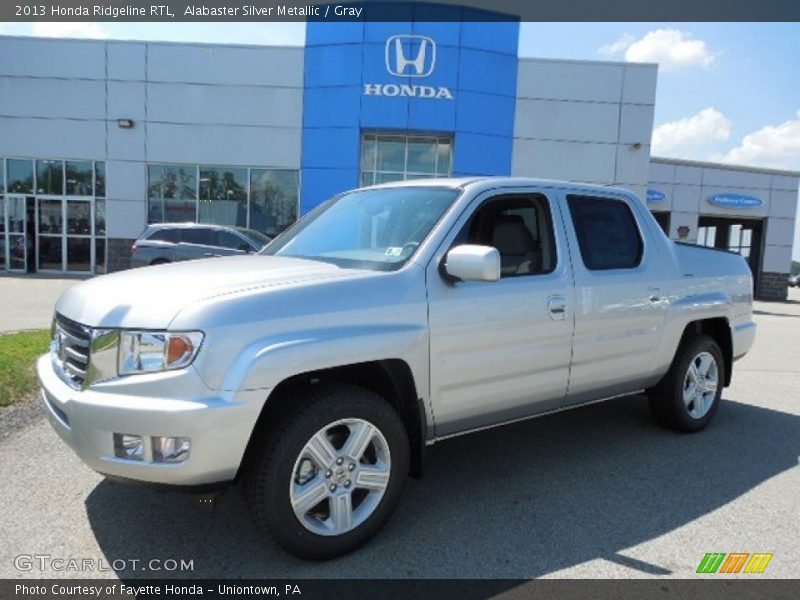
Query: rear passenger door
x: 501, y: 350
x: 619, y: 304
x: 196, y: 242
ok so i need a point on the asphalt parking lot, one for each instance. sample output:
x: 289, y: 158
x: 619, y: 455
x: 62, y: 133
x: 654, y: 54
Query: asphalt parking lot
x: 596, y: 492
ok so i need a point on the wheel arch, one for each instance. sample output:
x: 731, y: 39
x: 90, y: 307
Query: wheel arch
x: 391, y: 379
x: 718, y: 329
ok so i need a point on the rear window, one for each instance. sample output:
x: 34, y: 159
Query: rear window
x: 607, y: 233
x: 164, y: 235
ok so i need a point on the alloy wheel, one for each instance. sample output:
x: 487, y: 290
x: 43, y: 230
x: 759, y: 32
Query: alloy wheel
x: 340, y: 476
x: 700, y: 384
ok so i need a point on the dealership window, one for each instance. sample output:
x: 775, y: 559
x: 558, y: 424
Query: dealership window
x: 387, y: 157
x: 707, y: 236
x: 223, y: 196
x: 261, y: 199
x: 52, y: 215
x: 740, y: 240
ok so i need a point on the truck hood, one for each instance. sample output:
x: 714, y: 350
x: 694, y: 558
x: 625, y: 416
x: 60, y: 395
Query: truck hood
x: 151, y: 297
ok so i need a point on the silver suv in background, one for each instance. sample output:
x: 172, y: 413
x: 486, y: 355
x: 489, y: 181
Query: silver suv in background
x: 173, y: 242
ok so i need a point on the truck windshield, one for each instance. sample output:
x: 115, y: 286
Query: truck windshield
x: 370, y: 229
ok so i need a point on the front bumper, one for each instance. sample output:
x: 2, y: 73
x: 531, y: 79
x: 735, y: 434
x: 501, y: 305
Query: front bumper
x: 173, y: 403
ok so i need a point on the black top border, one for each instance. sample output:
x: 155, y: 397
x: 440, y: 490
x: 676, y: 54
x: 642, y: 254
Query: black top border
x: 392, y: 11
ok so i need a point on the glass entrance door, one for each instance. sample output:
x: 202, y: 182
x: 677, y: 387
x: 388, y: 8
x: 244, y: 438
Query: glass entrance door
x: 742, y: 236
x: 16, y: 233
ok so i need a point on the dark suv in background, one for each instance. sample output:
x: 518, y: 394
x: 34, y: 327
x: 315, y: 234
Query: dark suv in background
x: 172, y: 242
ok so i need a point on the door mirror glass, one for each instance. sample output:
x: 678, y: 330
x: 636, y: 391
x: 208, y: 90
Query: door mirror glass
x: 470, y: 262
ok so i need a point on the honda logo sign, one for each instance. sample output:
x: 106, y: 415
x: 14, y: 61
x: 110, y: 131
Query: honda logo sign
x: 415, y: 51
x: 409, y: 56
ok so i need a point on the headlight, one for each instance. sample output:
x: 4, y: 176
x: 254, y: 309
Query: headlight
x: 152, y: 351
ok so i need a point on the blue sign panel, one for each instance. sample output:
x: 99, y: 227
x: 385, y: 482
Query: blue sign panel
x: 655, y: 195
x: 427, y: 74
x: 735, y: 201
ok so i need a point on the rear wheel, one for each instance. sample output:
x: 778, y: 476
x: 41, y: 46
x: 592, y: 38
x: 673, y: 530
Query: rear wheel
x: 689, y: 395
x: 331, y: 473
x: 159, y: 261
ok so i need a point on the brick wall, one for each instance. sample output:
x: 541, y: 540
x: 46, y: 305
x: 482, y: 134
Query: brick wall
x: 773, y: 286
x: 119, y: 254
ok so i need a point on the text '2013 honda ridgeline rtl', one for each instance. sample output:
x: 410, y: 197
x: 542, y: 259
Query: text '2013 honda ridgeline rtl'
x: 389, y: 318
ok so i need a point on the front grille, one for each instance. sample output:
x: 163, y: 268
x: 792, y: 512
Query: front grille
x: 71, y: 350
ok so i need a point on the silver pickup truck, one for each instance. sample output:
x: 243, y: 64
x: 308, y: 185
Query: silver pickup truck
x: 389, y: 318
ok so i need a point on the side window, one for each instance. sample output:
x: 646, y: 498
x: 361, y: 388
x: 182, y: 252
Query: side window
x: 228, y: 239
x: 197, y: 235
x: 164, y: 235
x: 521, y: 228
x: 607, y: 233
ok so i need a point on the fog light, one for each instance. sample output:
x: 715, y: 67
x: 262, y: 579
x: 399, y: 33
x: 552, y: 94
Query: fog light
x: 128, y: 446
x: 170, y: 449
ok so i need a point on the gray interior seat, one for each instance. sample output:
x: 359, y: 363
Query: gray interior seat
x: 519, y: 252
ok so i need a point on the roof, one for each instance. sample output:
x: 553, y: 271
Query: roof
x: 725, y: 166
x: 502, y: 181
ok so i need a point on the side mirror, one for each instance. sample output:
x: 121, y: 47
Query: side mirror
x: 473, y: 263
x: 245, y: 248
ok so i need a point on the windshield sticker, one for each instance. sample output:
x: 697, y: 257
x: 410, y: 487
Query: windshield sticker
x: 394, y: 251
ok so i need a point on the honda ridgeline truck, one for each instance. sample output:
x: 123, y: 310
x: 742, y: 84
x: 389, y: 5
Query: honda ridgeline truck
x: 317, y: 371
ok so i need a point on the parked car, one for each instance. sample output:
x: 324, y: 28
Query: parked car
x: 794, y: 280
x: 393, y: 317
x: 173, y: 242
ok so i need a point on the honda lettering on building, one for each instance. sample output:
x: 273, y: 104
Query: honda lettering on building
x: 409, y: 56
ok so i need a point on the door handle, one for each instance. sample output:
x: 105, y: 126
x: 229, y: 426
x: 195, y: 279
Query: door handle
x: 557, y: 307
x: 654, y: 295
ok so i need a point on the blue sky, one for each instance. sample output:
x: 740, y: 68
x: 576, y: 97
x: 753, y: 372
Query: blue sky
x: 727, y: 92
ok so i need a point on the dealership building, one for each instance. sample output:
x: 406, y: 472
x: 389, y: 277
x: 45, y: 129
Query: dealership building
x: 100, y: 138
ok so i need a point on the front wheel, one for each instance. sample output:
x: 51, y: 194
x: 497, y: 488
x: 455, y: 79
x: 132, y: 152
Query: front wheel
x: 331, y: 473
x: 689, y: 395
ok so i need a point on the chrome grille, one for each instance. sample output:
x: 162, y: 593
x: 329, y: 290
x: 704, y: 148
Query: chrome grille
x: 70, y: 350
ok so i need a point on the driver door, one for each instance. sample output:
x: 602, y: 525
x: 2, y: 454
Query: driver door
x: 501, y: 350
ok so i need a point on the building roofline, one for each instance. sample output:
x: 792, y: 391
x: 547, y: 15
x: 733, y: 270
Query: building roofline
x: 520, y: 58
x: 164, y: 42
x: 729, y: 167
x: 591, y: 61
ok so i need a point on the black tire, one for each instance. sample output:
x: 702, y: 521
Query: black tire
x: 666, y: 399
x: 159, y: 261
x: 271, y: 465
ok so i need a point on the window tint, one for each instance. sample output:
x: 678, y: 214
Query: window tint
x: 227, y: 239
x: 607, y: 233
x: 520, y: 228
x: 197, y: 235
x: 164, y: 235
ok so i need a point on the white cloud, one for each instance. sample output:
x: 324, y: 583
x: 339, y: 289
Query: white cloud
x: 685, y: 137
x: 670, y: 48
x: 73, y: 30
x: 776, y: 146
x: 622, y: 43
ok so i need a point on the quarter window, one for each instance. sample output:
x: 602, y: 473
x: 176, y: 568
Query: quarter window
x: 164, y: 235
x: 607, y: 233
